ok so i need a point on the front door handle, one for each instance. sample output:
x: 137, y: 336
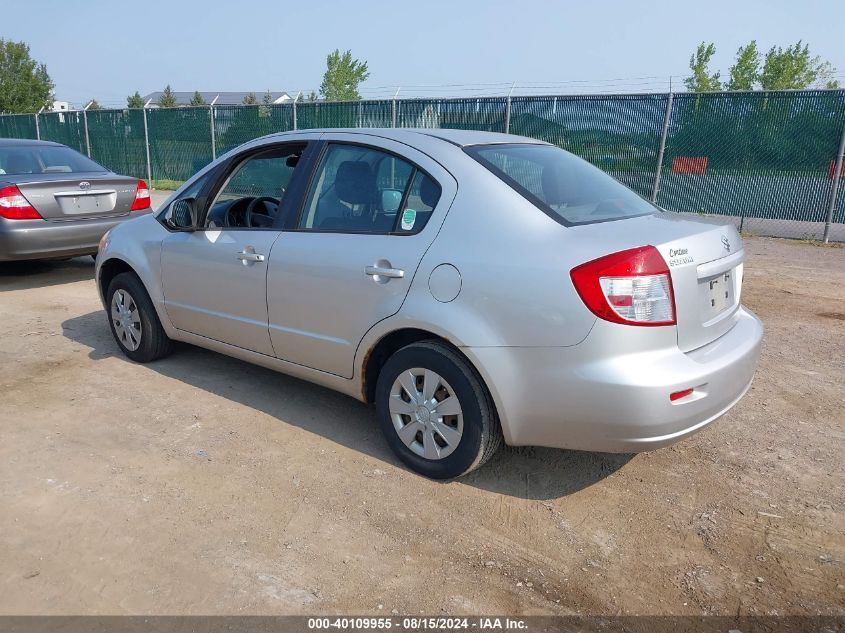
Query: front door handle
x: 389, y: 273
x: 250, y: 256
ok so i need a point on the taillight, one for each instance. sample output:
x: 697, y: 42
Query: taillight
x: 632, y: 287
x: 142, y: 197
x: 13, y: 206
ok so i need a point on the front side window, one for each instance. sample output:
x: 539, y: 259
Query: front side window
x: 564, y: 186
x: 252, y: 195
x: 45, y: 159
x: 364, y: 190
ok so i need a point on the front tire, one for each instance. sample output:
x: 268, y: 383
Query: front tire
x: 435, y: 412
x: 133, y: 320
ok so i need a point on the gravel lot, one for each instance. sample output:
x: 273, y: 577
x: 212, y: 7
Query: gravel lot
x: 203, y: 485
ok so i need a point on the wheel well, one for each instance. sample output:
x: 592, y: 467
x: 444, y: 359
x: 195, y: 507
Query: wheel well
x: 111, y: 269
x: 384, y: 349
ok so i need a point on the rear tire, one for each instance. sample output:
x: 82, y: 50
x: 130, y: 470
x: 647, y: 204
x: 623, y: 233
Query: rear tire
x: 133, y: 320
x: 435, y: 412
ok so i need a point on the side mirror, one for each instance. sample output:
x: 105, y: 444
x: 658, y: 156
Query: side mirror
x: 390, y: 200
x: 182, y: 215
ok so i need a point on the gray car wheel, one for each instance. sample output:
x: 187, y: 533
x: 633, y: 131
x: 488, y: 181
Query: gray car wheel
x: 133, y: 320
x: 435, y: 412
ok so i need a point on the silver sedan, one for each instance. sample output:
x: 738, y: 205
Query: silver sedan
x: 477, y: 287
x: 57, y: 203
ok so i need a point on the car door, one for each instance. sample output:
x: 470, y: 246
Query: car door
x: 372, y: 209
x: 215, y: 277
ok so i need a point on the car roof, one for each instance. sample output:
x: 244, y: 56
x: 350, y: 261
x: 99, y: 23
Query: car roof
x: 23, y: 142
x: 408, y: 135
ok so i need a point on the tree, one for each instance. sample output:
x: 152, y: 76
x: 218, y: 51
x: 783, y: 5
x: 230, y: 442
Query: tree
x: 266, y: 101
x: 135, y: 101
x: 167, y: 98
x: 25, y: 85
x: 701, y: 79
x: 93, y: 105
x: 250, y: 99
x: 197, y: 100
x: 746, y: 70
x: 793, y: 68
x: 343, y: 74
x: 312, y: 96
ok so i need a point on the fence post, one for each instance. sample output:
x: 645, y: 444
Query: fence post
x: 837, y: 176
x: 295, y: 122
x: 393, y: 108
x: 37, y: 127
x: 663, y: 134
x: 147, y: 146
x: 85, y: 123
x: 213, y: 132
x: 508, y: 110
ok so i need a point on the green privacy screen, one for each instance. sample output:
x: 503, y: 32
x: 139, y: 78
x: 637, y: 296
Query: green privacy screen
x: 63, y: 127
x: 754, y: 154
x: 180, y: 142
x: 745, y: 154
x: 17, y: 126
x: 117, y: 140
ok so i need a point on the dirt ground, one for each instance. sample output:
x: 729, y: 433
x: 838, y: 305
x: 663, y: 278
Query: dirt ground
x: 203, y: 485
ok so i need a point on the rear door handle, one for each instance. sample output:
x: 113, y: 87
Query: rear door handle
x: 379, y: 271
x: 247, y: 256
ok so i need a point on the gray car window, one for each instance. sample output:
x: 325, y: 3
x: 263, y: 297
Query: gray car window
x: 45, y: 159
x: 356, y: 190
x: 566, y: 187
x: 253, y: 193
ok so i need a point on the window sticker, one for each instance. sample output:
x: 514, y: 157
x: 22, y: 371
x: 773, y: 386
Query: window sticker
x: 409, y: 217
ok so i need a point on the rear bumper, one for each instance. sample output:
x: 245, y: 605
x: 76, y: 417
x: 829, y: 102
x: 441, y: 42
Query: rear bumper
x: 594, y: 397
x: 40, y: 239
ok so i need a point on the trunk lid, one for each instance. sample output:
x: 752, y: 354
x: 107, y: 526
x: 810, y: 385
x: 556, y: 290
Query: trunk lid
x: 705, y: 261
x: 58, y: 197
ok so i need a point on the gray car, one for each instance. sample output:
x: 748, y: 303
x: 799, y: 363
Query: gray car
x: 57, y: 203
x: 477, y: 287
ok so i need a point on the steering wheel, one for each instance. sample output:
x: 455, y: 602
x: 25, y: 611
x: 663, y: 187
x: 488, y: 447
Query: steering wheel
x: 254, y: 219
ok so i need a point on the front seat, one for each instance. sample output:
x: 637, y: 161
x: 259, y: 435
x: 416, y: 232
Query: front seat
x: 355, y: 184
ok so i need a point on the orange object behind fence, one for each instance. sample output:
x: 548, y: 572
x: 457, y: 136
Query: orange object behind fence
x: 831, y: 169
x: 689, y: 165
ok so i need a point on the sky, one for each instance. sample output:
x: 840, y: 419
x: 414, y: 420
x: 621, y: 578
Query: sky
x: 107, y: 49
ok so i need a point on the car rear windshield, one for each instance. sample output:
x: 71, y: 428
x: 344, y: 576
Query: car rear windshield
x: 562, y: 185
x: 44, y: 159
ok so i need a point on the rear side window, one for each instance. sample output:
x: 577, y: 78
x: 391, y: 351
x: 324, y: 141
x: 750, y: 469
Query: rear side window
x: 364, y: 190
x: 45, y: 159
x: 562, y: 185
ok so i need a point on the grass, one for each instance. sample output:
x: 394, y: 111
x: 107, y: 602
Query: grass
x: 169, y: 185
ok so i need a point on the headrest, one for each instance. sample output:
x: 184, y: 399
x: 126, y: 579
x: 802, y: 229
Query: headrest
x: 429, y: 192
x: 355, y: 182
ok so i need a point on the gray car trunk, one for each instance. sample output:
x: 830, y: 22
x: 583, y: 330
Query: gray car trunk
x: 67, y: 197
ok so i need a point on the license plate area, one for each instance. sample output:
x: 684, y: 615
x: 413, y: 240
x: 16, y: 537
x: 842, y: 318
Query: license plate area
x: 717, y: 295
x: 86, y: 203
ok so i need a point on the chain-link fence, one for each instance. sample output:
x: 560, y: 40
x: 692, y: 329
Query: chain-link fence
x: 771, y: 162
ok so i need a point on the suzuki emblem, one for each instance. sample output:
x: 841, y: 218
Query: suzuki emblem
x: 726, y: 243
x: 85, y: 185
